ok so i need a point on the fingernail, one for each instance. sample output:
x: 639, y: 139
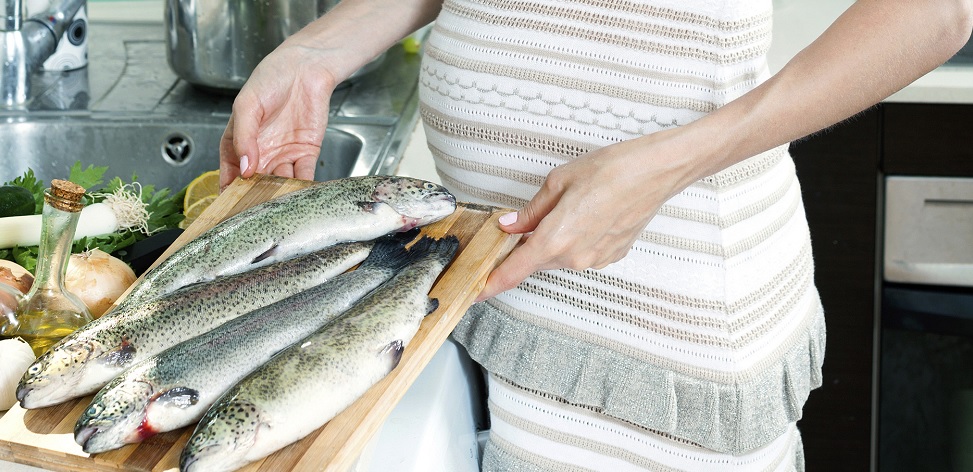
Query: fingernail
x: 244, y: 164
x: 508, y: 219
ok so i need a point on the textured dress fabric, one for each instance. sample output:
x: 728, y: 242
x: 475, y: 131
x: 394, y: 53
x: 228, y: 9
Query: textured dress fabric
x: 697, y: 350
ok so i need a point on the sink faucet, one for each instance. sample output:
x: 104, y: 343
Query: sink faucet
x: 26, y: 44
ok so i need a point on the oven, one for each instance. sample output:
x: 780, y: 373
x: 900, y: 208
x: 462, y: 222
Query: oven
x: 925, y: 361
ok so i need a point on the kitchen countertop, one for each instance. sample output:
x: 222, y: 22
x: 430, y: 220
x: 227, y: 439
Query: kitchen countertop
x: 798, y: 22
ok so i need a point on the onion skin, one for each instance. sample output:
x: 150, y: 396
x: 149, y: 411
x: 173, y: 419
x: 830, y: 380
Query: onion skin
x: 15, y: 281
x: 98, y: 279
x: 15, y: 276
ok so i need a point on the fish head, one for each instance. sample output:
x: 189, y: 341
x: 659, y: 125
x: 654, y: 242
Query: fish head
x: 419, y: 202
x: 115, y: 416
x: 223, y: 437
x: 56, y: 375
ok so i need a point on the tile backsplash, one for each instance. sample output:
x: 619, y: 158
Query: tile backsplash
x: 126, y: 11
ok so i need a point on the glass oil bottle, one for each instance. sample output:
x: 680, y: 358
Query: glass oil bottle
x: 48, y: 312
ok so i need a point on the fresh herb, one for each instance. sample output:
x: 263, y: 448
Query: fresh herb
x: 164, y: 208
x: 89, y: 178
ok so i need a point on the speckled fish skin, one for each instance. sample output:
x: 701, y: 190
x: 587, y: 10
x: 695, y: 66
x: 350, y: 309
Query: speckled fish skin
x: 174, y: 388
x: 342, y: 210
x: 306, y: 385
x: 87, y: 359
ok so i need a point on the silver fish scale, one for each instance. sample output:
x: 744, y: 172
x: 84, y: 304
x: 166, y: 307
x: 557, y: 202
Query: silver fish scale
x: 338, y: 362
x: 208, y: 365
x: 298, y: 222
x: 125, y: 336
x: 393, y: 312
x: 188, y: 312
x: 274, y: 327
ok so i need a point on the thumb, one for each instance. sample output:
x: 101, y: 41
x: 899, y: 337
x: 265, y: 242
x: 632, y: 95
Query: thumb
x: 526, y: 219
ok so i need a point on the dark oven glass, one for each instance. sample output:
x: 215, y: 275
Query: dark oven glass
x: 926, y: 379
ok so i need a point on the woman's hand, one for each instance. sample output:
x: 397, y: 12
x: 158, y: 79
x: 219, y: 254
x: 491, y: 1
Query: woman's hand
x: 590, y: 211
x: 279, y: 117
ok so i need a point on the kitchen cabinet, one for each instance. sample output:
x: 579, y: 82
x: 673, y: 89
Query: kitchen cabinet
x: 838, y: 171
x: 841, y: 172
x: 928, y: 140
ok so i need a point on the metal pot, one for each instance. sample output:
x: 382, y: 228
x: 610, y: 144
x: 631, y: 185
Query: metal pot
x: 218, y: 43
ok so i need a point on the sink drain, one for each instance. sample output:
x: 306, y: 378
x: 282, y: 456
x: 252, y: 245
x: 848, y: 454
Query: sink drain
x: 177, y: 148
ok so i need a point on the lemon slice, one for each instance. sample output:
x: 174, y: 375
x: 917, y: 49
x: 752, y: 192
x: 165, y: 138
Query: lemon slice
x: 206, y: 185
x: 195, y: 210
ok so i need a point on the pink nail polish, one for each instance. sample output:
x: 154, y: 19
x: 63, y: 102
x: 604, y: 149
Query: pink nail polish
x: 508, y: 219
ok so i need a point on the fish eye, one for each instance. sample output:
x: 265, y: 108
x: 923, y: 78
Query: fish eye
x: 34, y: 368
x: 93, y: 410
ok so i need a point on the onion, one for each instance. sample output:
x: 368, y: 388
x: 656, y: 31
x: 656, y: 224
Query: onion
x: 14, y: 282
x: 98, y: 279
x: 15, y: 276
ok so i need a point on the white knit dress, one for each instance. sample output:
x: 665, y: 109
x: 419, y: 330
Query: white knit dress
x: 696, y: 351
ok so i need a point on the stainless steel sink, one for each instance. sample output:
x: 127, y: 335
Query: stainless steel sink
x: 128, y: 111
x: 163, y: 153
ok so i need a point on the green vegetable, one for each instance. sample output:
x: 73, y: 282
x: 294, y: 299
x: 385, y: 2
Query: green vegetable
x: 16, y: 201
x: 164, y: 207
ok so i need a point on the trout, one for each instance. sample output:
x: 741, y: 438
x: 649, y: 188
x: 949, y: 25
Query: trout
x: 307, y: 384
x: 306, y: 220
x: 85, y: 360
x: 174, y: 388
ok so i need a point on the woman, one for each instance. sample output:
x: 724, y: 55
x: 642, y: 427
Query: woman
x: 661, y: 314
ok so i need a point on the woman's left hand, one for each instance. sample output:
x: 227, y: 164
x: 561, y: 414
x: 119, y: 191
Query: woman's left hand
x: 590, y: 211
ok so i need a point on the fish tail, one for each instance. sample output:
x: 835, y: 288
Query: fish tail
x: 389, y: 252
x: 445, y: 248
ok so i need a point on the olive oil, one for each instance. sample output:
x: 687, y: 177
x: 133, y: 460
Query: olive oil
x: 46, y: 328
x: 49, y: 312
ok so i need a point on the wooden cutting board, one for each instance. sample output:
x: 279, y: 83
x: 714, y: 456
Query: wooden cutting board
x: 44, y: 437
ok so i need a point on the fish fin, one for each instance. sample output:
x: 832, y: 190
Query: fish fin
x: 432, y: 306
x: 389, y: 252
x: 266, y: 254
x: 404, y: 237
x: 180, y: 397
x: 121, y: 356
x: 444, y: 248
x: 393, y: 351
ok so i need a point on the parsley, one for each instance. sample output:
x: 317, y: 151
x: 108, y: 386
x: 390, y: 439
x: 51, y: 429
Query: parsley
x: 164, y: 207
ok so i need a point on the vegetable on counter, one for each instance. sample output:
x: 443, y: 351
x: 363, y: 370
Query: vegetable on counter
x: 98, y: 279
x: 15, y: 276
x: 116, y: 216
x: 124, y: 213
x: 97, y: 219
x: 16, y: 201
x: 15, y: 281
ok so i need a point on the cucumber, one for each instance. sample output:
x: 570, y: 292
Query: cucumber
x: 16, y: 201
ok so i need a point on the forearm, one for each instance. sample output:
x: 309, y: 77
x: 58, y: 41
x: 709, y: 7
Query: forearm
x: 871, y: 51
x: 354, y: 32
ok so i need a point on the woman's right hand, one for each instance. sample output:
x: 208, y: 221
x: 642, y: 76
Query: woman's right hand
x: 279, y: 117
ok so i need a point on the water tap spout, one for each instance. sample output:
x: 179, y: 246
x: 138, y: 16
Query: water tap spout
x: 26, y: 44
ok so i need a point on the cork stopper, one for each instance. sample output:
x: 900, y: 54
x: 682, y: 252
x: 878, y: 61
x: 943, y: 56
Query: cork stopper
x: 65, y: 195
